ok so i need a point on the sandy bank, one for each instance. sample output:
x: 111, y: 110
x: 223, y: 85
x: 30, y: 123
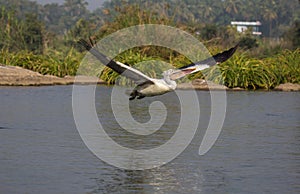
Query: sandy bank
x: 17, y: 76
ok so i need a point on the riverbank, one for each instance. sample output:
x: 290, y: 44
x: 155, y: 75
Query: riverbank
x: 18, y: 76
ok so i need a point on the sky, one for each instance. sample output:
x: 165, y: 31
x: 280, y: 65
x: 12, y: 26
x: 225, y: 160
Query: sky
x: 93, y: 4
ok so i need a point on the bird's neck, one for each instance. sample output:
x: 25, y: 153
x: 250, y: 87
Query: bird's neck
x: 171, y: 83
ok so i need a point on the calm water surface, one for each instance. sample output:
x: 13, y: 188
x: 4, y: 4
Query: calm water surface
x: 41, y: 151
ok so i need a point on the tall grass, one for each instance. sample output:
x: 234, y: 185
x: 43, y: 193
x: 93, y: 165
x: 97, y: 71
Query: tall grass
x: 245, y: 72
x: 251, y: 73
x: 53, y: 63
x: 286, y: 66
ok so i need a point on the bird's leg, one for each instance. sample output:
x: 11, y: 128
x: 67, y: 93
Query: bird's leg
x: 133, y: 94
x: 140, y: 97
x: 132, y: 98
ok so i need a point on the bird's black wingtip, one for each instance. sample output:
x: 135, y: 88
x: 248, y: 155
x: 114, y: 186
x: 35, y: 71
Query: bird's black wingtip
x: 236, y: 46
x: 224, y: 56
x: 232, y: 50
x: 85, y: 44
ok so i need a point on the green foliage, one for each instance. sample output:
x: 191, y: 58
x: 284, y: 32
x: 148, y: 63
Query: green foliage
x: 251, y: 73
x: 54, y: 63
x: 248, y: 42
x: 293, y: 34
x: 286, y: 66
x: 18, y: 35
x: 276, y: 15
x: 130, y: 15
x: 33, y: 34
x: 82, y: 28
x: 209, y: 32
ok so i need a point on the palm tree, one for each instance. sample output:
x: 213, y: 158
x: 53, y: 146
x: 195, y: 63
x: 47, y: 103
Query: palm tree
x: 269, y: 15
x: 231, y: 6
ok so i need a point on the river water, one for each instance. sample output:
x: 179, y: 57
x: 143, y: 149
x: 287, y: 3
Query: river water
x: 41, y: 151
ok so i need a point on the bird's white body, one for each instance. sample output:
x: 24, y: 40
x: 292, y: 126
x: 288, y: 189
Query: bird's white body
x: 159, y: 87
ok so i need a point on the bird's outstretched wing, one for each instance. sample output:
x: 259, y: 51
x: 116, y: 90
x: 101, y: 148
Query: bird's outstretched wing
x: 201, y: 65
x: 127, y: 71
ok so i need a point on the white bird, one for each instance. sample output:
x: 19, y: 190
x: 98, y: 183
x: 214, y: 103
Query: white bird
x: 147, y: 86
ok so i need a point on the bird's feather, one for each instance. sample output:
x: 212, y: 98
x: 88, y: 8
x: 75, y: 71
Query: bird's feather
x: 204, y: 64
x: 125, y: 70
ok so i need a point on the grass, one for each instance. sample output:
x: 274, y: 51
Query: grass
x: 251, y: 73
x: 53, y: 63
x: 286, y: 66
x: 242, y: 70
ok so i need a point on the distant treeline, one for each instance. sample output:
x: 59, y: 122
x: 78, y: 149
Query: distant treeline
x: 27, y: 25
x: 276, y: 15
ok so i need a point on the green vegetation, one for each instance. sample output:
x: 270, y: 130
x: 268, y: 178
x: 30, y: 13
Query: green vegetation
x: 53, y: 63
x: 43, y: 37
x: 245, y: 72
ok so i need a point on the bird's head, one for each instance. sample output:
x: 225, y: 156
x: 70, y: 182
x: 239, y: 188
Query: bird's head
x: 167, y: 78
x: 168, y: 72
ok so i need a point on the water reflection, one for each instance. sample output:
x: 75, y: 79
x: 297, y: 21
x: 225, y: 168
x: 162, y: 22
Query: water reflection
x: 158, y: 180
x: 176, y: 177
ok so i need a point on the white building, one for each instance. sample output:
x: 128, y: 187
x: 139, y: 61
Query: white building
x: 242, y: 26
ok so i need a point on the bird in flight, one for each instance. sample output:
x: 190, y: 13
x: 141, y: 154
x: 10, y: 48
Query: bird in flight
x: 147, y: 86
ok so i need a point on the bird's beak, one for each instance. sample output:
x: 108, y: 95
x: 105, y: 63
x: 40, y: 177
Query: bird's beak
x: 188, y: 71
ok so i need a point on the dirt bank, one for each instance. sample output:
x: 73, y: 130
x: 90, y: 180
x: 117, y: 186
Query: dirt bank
x: 17, y: 76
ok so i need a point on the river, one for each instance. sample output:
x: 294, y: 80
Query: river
x: 41, y: 151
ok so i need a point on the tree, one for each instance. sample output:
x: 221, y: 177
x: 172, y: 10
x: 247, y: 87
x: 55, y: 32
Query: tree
x: 73, y: 10
x: 209, y: 31
x: 51, y: 14
x: 33, y: 34
x: 18, y: 34
x: 231, y: 6
x: 293, y: 34
x: 82, y: 29
x: 269, y: 15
